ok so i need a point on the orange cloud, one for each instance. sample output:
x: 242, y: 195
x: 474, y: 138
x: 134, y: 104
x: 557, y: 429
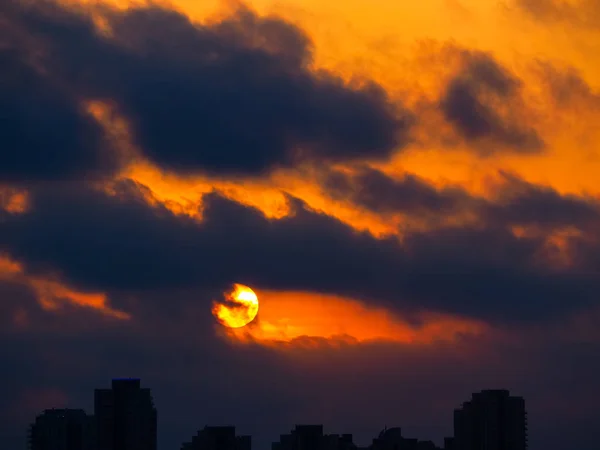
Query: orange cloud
x: 52, y: 295
x: 183, y: 195
x: 296, y: 317
x: 425, y: 69
x: 14, y: 201
x: 413, y: 54
x: 9, y: 268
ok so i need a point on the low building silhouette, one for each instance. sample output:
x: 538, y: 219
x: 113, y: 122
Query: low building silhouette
x: 340, y: 442
x: 62, y: 429
x: 311, y: 437
x: 491, y: 420
x: 392, y: 439
x: 218, y: 438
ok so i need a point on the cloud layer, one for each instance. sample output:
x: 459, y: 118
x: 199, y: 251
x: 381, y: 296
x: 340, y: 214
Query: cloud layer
x: 236, y: 97
x: 118, y: 241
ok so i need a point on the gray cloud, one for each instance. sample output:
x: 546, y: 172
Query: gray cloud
x: 468, y: 106
x: 119, y: 242
x: 235, y: 97
x: 375, y: 191
x: 581, y: 13
x: 46, y: 135
x: 515, y: 201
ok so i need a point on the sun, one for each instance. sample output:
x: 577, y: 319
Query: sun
x: 238, y: 307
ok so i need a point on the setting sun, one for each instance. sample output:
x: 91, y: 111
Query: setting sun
x: 238, y: 307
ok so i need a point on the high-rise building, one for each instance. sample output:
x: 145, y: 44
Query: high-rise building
x: 125, y: 416
x: 62, y: 429
x: 491, y: 420
x: 218, y: 438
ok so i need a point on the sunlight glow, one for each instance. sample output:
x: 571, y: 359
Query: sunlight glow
x: 238, y: 308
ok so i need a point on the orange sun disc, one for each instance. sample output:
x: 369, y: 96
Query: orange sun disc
x: 238, y: 308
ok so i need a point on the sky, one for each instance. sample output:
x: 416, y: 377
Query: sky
x: 410, y: 188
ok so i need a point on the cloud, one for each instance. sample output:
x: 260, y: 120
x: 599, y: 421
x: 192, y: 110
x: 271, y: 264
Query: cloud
x: 118, y: 242
x: 482, y: 103
x: 232, y: 97
x: 512, y: 201
x: 309, y: 319
x: 16, y: 305
x: 372, y: 189
x: 46, y: 135
x: 518, y: 202
x: 578, y: 13
x: 568, y: 88
x: 48, y: 293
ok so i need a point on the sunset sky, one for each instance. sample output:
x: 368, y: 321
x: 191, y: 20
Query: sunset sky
x: 412, y: 189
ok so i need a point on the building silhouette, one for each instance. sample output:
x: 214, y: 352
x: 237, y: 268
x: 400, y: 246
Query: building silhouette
x: 126, y: 418
x: 311, y: 437
x: 62, y: 429
x: 392, y: 439
x: 449, y: 443
x: 491, y: 420
x: 218, y: 438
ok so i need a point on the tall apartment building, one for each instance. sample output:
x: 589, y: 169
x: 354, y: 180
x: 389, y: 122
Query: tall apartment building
x: 126, y: 418
x: 62, y: 429
x: 491, y: 420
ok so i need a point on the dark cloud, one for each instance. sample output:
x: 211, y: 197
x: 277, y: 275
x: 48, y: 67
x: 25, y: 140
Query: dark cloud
x: 45, y: 132
x: 568, y: 88
x: 472, y: 101
x: 522, y: 203
x: 17, y: 303
x: 578, y: 13
x: 374, y: 190
x: 514, y: 202
x: 235, y: 97
x: 467, y: 260
x: 119, y: 242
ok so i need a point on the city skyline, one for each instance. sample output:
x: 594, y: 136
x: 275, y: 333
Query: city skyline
x: 125, y: 418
